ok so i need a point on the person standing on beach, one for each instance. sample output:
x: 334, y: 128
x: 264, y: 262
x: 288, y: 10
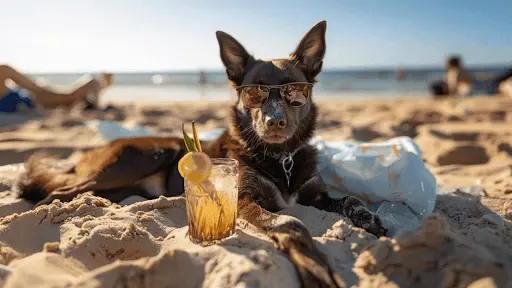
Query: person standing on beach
x: 12, y: 100
x: 202, y: 83
x: 400, y: 74
x: 202, y: 78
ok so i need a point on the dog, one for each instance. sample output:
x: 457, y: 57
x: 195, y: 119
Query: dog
x: 270, y: 125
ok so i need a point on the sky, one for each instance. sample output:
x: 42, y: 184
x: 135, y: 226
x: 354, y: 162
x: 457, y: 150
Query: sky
x: 157, y: 35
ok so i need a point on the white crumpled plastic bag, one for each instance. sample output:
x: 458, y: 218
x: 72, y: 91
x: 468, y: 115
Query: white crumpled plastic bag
x: 389, y: 176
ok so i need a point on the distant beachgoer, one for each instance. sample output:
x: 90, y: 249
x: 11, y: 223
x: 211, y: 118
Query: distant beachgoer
x: 202, y: 82
x: 458, y: 82
x: 13, y: 100
x: 202, y: 78
x: 400, y: 74
x: 504, y: 83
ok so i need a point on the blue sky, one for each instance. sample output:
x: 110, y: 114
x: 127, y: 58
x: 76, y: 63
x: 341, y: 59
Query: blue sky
x: 149, y: 35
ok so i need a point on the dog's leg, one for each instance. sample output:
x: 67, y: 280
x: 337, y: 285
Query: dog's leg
x: 292, y: 238
x: 314, y: 193
x: 120, y: 164
x: 67, y: 193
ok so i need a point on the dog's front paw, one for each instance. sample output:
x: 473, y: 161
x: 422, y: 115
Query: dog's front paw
x: 313, y: 267
x: 361, y: 217
x: 369, y: 221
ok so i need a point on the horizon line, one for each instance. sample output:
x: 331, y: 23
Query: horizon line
x: 328, y: 69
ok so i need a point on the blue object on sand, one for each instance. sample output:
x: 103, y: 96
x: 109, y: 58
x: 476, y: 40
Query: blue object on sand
x: 14, y: 101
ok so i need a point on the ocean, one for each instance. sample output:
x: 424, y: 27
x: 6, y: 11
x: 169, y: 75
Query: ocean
x: 164, y: 86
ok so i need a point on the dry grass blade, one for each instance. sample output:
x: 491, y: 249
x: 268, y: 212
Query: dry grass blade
x: 196, y: 138
x: 188, y: 142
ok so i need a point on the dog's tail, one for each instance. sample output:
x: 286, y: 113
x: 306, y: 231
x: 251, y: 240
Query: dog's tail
x: 39, y: 180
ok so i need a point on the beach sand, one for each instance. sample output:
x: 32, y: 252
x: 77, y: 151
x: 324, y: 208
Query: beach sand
x: 91, y: 242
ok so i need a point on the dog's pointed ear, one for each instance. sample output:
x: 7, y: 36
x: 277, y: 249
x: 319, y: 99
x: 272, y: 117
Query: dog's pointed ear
x: 311, y: 49
x: 234, y: 57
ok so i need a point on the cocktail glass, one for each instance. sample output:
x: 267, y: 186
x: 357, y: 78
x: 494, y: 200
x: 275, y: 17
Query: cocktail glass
x: 212, y: 205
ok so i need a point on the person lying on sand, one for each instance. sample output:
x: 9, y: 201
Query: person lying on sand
x: 13, y: 101
x: 458, y: 81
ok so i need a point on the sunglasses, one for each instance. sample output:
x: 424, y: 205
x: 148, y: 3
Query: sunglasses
x: 295, y: 94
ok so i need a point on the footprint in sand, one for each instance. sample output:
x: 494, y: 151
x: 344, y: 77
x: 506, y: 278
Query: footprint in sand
x: 463, y: 155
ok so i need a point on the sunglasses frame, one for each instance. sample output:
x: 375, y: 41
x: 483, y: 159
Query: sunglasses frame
x: 270, y: 87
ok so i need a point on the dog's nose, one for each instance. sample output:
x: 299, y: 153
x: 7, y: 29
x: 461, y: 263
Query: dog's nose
x: 275, y: 122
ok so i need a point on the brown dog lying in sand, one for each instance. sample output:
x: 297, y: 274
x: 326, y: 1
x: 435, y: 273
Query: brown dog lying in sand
x: 271, y: 123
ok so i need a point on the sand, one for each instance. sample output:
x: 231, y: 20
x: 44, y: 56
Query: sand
x: 91, y: 242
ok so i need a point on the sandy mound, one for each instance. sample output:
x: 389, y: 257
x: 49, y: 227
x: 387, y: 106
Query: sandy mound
x: 91, y: 242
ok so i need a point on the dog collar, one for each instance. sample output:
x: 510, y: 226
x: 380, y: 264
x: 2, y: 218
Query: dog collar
x: 286, y: 160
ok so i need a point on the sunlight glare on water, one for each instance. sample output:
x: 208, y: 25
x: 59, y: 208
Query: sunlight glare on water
x: 157, y: 79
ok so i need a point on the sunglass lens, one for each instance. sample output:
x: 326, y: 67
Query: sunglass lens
x: 254, y: 96
x: 296, y: 94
